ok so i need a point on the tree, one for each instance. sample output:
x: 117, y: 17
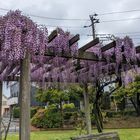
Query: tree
x: 53, y: 96
x: 75, y: 92
x: 84, y: 92
x: 132, y: 92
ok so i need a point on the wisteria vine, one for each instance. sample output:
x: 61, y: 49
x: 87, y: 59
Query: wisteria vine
x: 19, y: 34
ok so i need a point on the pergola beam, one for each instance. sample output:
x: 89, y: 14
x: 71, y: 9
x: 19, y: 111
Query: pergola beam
x: 74, y: 39
x: 108, y: 46
x: 89, y: 45
x: 52, y: 36
x: 81, y: 55
x: 3, y: 67
x: 137, y: 49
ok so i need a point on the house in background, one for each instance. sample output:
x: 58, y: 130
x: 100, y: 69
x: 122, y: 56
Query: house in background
x: 5, y: 106
x: 14, y: 95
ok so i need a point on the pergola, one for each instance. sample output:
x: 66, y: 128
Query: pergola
x: 29, y: 54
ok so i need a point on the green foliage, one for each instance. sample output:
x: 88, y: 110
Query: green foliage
x: 52, y: 96
x: 70, y: 115
x: 34, y: 111
x: 137, y: 78
x: 75, y: 92
x: 47, y: 118
x: 70, y: 112
x: 39, y: 119
x: 129, y: 90
x: 16, y: 112
x: 80, y: 125
x: 68, y: 106
x: 93, y: 119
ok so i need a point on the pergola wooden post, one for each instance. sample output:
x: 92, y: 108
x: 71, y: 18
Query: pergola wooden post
x: 24, y: 133
x: 0, y: 110
x: 87, y: 109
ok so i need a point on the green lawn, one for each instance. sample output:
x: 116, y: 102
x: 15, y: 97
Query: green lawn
x: 125, y: 134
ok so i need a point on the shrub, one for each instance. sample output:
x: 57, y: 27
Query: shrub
x: 39, y: 119
x: 69, y: 107
x: 16, y: 112
x: 69, y: 115
x: 93, y: 119
x: 47, y: 118
x: 33, y: 111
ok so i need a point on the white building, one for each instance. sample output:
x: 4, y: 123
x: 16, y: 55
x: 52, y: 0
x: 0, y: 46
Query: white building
x: 5, y: 106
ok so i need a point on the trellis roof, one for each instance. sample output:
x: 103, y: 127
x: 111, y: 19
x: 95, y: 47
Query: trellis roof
x: 60, y: 63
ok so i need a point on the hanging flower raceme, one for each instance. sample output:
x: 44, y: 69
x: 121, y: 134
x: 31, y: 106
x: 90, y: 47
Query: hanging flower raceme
x: 20, y: 34
x: 129, y: 50
x: 118, y: 50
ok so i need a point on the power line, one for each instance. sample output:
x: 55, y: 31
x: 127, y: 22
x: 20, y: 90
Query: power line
x: 131, y: 34
x: 76, y: 27
x: 118, y: 20
x: 58, y: 18
x: 51, y: 18
x: 138, y: 32
x: 83, y: 19
x: 72, y: 19
x: 119, y: 12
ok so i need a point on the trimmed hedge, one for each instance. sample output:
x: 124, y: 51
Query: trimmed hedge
x: 47, y: 118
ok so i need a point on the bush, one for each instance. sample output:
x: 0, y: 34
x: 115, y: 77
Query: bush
x: 47, y: 118
x: 16, y: 112
x: 33, y: 111
x: 39, y: 119
x: 93, y: 119
x: 69, y: 107
x: 69, y: 115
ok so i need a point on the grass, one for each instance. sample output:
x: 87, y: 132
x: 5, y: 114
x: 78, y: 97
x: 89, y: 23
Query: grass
x: 125, y: 134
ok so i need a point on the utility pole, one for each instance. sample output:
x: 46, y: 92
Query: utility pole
x: 94, y: 20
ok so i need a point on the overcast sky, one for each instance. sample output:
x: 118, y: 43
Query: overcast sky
x: 81, y: 9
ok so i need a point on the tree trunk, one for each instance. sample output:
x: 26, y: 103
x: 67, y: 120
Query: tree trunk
x: 24, y: 133
x: 138, y: 103
x: 87, y: 109
x: 135, y: 106
x: 7, y: 130
x: 62, y: 114
x: 98, y: 118
x: 96, y: 107
x: 0, y: 110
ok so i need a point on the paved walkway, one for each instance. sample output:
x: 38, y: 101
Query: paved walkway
x: 14, y: 126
